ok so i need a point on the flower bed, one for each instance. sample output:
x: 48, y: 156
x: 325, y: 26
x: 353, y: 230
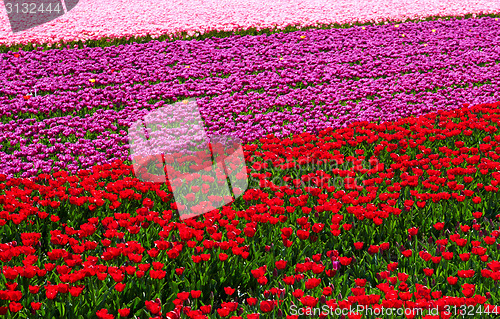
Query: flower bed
x: 408, y: 221
x: 75, y: 113
x: 370, y: 186
x: 91, y: 20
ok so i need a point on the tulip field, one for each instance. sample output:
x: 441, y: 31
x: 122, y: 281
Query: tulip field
x: 371, y: 141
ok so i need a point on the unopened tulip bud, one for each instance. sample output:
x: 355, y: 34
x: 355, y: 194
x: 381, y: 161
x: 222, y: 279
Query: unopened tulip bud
x: 280, y: 313
x: 275, y: 272
x: 336, y: 265
x: 322, y: 300
x: 240, y: 311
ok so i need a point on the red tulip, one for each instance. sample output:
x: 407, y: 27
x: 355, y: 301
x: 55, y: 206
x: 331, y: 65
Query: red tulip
x: 345, y: 261
x: 267, y: 306
x: 124, y: 312
x: 280, y: 264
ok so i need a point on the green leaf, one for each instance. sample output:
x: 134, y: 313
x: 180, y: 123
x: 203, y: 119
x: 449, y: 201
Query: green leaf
x: 135, y: 304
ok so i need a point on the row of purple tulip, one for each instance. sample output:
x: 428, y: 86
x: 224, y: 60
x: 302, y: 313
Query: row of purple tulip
x: 71, y: 109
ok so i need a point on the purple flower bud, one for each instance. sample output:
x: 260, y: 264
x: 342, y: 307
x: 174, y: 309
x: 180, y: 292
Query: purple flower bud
x: 335, y: 265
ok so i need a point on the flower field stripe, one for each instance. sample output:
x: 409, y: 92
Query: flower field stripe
x: 81, y: 107
x: 91, y: 20
x: 395, y: 215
